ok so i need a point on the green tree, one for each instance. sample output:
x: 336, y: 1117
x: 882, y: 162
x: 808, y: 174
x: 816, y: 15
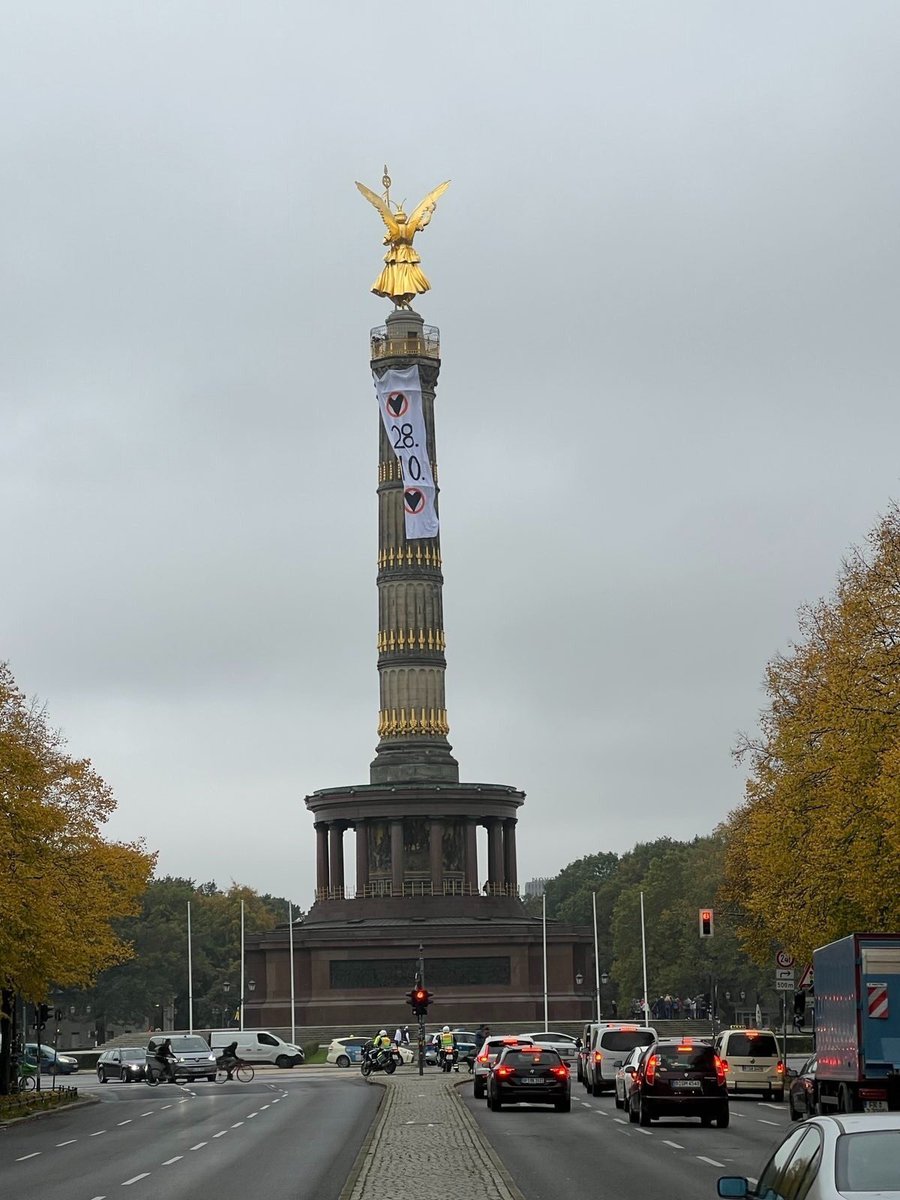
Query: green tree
x: 62, y: 886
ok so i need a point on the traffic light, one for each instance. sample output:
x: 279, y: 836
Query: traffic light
x: 43, y: 1015
x: 799, y: 1006
x: 418, y: 1000
x: 706, y: 922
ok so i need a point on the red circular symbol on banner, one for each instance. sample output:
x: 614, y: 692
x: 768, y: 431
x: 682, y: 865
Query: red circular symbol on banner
x: 413, y: 501
x: 397, y: 403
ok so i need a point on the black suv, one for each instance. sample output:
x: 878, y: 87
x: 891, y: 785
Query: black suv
x: 683, y: 1078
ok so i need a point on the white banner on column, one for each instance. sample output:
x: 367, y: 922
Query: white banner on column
x: 400, y: 402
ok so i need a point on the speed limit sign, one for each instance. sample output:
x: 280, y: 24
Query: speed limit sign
x: 783, y: 959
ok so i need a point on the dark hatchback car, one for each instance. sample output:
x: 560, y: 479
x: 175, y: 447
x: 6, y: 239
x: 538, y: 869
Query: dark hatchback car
x: 802, y: 1093
x: 679, y: 1079
x: 125, y: 1063
x: 529, y: 1075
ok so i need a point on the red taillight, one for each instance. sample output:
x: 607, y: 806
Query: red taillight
x: 483, y: 1058
x: 721, y: 1068
x: 725, y: 1066
x: 504, y: 1072
x: 650, y: 1068
x: 780, y: 1067
x: 560, y: 1072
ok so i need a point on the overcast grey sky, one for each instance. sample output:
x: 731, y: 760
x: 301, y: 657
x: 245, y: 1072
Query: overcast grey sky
x: 666, y: 280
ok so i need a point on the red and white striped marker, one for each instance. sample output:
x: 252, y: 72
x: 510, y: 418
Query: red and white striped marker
x: 878, y: 999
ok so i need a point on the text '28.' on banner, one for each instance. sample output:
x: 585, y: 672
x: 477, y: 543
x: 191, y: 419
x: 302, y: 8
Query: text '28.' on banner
x: 400, y: 401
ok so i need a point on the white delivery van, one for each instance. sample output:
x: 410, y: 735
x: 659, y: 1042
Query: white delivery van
x: 257, y: 1046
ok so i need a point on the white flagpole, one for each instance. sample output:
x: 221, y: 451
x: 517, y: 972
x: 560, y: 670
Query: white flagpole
x: 190, y: 973
x: 242, y: 967
x: 291, y: 961
x: 644, y: 953
x: 546, y: 1004
x: 597, y: 958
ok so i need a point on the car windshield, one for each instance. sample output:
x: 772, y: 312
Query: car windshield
x: 625, y: 1039
x: 745, y: 1045
x: 686, y: 1058
x: 189, y: 1045
x: 868, y: 1161
x: 132, y: 1052
x: 544, y: 1038
x: 532, y: 1058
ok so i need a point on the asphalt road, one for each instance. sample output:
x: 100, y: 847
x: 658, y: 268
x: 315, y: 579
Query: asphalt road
x: 595, y: 1152
x: 289, y: 1135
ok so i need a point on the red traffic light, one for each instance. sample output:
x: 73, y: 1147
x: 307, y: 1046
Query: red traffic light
x: 706, y: 922
x: 419, y: 999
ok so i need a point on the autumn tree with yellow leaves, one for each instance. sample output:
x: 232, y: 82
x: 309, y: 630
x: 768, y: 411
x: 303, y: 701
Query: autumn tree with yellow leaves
x: 61, y: 883
x: 814, y: 852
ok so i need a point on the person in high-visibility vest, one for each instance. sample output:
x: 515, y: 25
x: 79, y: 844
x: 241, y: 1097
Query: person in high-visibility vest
x: 448, y: 1041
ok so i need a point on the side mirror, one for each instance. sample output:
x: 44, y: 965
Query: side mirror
x: 791, y: 1073
x: 732, y: 1186
x: 629, y: 1070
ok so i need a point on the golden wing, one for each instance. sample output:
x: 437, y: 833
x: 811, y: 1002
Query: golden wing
x: 386, y: 216
x: 422, y: 215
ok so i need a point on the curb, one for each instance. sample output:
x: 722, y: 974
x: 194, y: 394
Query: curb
x: 81, y: 1102
x: 366, y: 1149
x: 483, y: 1145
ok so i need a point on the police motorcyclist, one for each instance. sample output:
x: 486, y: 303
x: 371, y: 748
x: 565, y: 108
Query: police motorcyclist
x: 381, y: 1043
x: 446, y: 1043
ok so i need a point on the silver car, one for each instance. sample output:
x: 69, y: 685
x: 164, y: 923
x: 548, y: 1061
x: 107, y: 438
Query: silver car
x: 193, y: 1057
x: 830, y: 1158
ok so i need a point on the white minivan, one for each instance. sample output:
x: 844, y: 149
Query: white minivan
x: 610, y: 1044
x: 257, y: 1046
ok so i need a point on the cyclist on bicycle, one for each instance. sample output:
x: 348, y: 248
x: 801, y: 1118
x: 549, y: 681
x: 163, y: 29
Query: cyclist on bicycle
x: 228, y: 1059
x: 165, y: 1056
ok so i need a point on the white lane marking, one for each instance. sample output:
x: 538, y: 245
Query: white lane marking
x: 649, y: 1132
x: 70, y: 1142
x: 164, y: 1107
x: 199, y: 1146
x: 264, y: 1107
x: 169, y: 1161
x: 712, y: 1162
x: 237, y: 1124
x: 128, y: 1122
x: 777, y: 1107
x: 619, y: 1121
x: 185, y: 1099
x: 249, y: 1115
x: 584, y: 1104
x: 676, y: 1145
x: 221, y: 1133
x: 763, y: 1121
x: 129, y: 1182
x: 97, y: 1134
x: 98, y: 1198
x: 34, y: 1154
x: 149, y: 1113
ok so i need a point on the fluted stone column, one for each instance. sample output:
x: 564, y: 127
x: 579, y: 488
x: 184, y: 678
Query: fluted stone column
x: 472, y: 856
x: 336, y: 838
x: 362, y: 857
x: 322, y: 879
x: 495, y: 851
x: 397, y: 857
x: 509, y: 854
x: 437, y: 856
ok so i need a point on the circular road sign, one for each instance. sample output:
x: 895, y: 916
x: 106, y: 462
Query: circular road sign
x: 783, y: 959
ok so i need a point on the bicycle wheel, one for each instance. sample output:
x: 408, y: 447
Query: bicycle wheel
x: 27, y: 1083
x: 152, y: 1079
x: 221, y: 1075
x: 244, y: 1073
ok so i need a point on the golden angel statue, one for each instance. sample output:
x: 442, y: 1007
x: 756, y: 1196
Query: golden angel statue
x: 402, y: 278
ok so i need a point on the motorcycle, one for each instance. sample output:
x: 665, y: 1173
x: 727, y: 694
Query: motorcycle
x: 377, y: 1058
x: 447, y: 1056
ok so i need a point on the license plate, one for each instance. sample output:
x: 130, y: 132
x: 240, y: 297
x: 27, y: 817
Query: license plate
x: 686, y: 1085
x: 875, y: 1105
x: 531, y: 1081
x: 752, y: 1068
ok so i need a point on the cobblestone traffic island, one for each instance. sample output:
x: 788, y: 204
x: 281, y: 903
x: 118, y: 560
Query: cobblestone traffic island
x: 425, y: 1143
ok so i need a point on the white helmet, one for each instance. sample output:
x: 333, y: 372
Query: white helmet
x: 446, y: 1029
x: 382, y: 1033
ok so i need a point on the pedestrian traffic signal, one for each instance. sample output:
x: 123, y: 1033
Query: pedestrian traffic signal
x: 418, y: 1000
x: 706, y: 922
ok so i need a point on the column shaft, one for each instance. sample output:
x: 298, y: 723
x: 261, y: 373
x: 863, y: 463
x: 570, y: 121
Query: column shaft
x: 321, y: 857
x: 495, y: 852
x: 397, y: 857
x: 336, y: 838
x: 362, y: 857
x: 472, y: 857
x: 509, y: 855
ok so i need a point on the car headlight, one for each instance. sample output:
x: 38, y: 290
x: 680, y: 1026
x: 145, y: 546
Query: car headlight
x: 212, y: 1058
